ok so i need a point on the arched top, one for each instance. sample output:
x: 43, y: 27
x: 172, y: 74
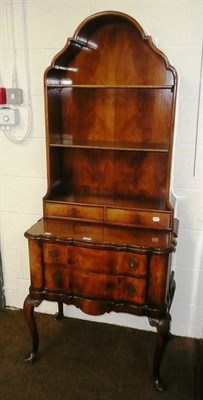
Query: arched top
x: 111, y: 48
x: 95, y: 21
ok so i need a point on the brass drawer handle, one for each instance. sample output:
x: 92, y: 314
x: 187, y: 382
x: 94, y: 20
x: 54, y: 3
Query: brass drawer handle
x: 131, y: 290
x: 57, y: 279
x: 54, y: 254
x: 133, y: 264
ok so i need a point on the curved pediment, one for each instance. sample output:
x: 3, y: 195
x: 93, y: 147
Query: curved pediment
x: 111, y: 48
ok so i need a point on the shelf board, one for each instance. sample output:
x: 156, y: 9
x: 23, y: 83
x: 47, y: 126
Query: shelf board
x: 110, y: 201
x: 70, y: 86
x: 105, y: 145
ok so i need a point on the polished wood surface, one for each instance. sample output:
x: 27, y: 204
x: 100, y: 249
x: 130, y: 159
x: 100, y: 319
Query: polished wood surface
x: 108, y: 232
x: 100, y: 235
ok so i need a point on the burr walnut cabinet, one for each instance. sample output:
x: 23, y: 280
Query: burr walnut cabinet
x: 108, y: 230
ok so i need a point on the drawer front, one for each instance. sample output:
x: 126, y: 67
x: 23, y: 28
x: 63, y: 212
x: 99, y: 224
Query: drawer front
x: 131, y: 264
x: 138, y: 218
x: 110, y: 262
x: 56, y: 278
x: 74, y: 211
x: 95, y: 273
x: 131, y: 290
x: 92, y: 285
x: 91, y: 259
x: 108, y: 287
x: 55, y: 254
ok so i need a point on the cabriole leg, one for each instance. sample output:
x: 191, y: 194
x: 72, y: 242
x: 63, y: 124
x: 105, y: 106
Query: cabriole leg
x: 28, y: 308
x: 59, y: 315
x: 163, y: 328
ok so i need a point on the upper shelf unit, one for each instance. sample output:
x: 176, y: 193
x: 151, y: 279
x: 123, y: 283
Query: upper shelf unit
x: 110, y: 105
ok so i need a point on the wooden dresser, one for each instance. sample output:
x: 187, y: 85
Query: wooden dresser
x: 108, y: 230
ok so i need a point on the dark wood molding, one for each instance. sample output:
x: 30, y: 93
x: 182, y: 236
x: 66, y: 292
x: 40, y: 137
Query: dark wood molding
x: 2, y: 296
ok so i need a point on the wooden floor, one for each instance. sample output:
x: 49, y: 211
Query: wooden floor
x: 80, y: 360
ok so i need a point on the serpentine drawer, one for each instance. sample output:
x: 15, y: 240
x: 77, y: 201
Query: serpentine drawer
x: 95, y: 260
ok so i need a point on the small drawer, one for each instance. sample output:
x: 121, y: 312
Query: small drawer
x: 132, y: 290
x: 138, y: 218
x: 56, y: 278
x: 55, y: 254
x: 74, y: 211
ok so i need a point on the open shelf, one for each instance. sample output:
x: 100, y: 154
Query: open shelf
x: 69, y: 141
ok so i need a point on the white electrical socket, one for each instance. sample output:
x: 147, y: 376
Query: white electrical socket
x: 9, y: 116
x: 14, y: 96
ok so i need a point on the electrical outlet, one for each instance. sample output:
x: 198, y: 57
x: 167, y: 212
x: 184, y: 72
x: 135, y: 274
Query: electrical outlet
x: 2, y: 95
x: 14, y: 96
x: 9, y: 116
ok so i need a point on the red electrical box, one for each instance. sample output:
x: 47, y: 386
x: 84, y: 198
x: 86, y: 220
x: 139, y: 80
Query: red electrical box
x: 2, y: 96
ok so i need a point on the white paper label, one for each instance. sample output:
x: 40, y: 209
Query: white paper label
x: 155, y: 219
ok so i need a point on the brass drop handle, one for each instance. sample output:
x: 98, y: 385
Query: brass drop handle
x: 57, y: 279
x: 133, y: 264
x: 54, y: 254
x: 131, y: 290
